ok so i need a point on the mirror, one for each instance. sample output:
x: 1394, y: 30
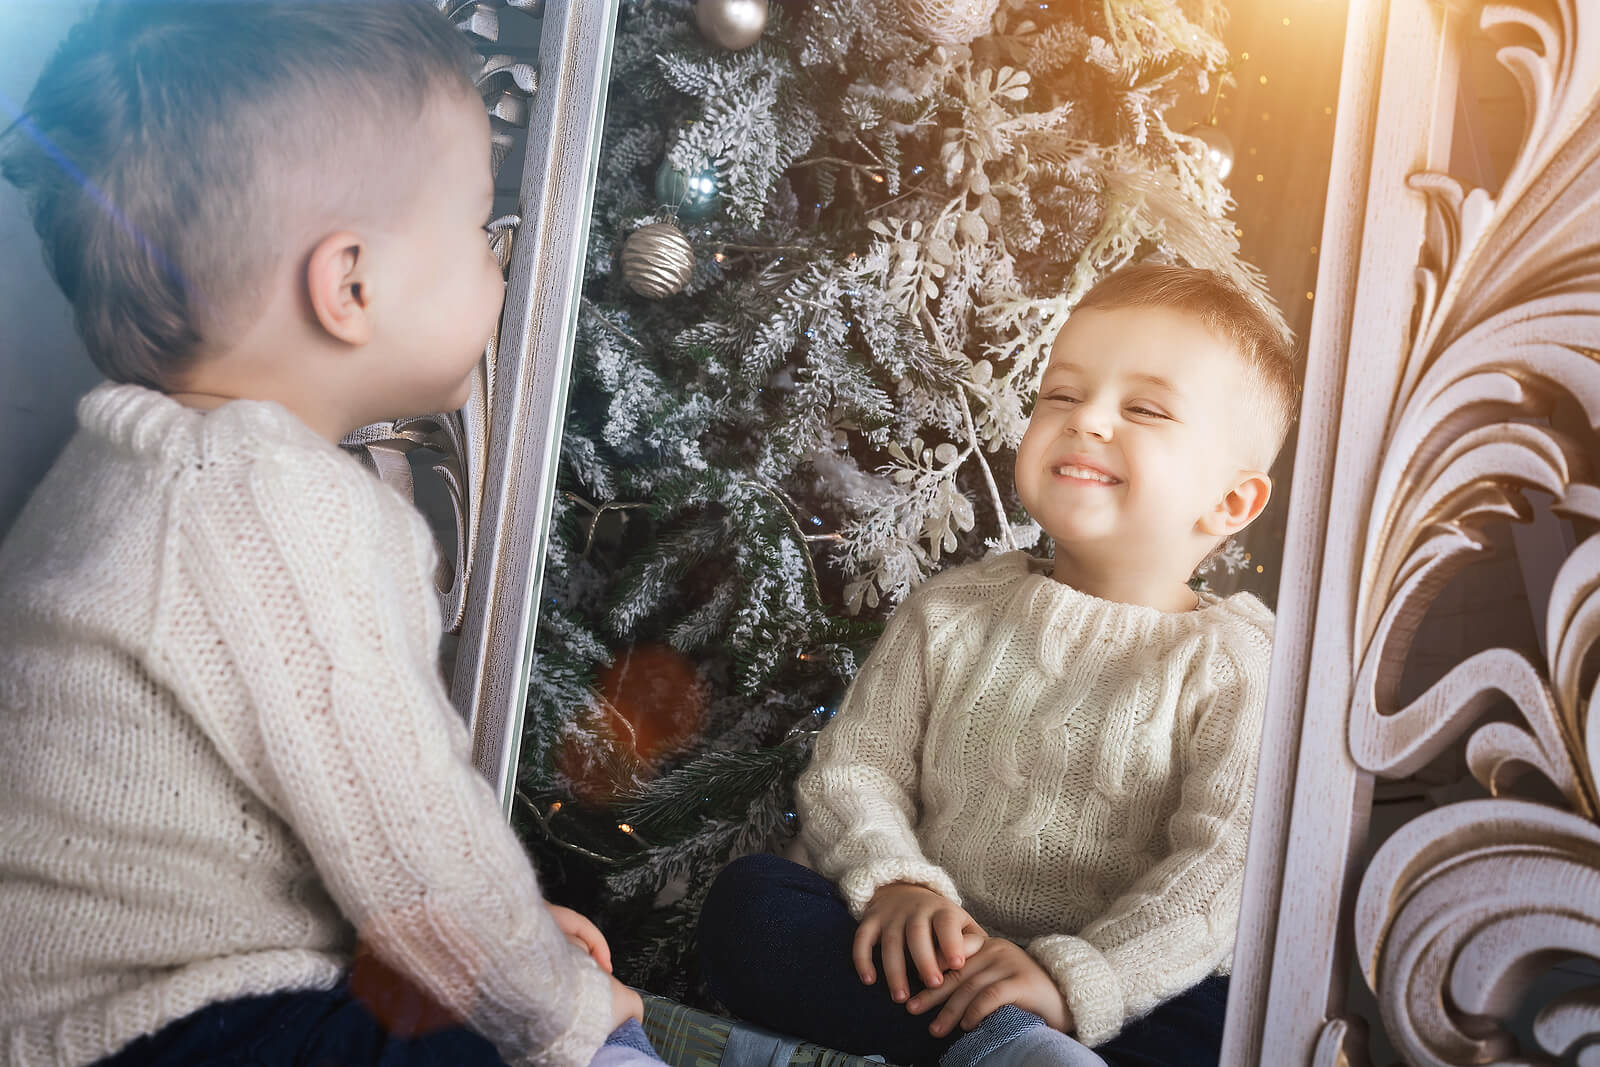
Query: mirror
x: 822, y: 274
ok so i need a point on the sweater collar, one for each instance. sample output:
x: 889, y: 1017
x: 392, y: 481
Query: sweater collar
x: 1044, y: 584
x: 146, y: 422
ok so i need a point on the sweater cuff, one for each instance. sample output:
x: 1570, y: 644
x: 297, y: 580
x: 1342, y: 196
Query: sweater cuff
x: 859, y: 883
x: 1086, y: 980
x: 590, y: 1022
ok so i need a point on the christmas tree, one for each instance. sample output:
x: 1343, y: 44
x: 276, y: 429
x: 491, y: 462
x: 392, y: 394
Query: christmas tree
x: 831, y: 245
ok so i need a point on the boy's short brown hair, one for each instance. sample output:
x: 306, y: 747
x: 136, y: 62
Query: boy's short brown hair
x: 1255, y: 331
x: 149, y: 148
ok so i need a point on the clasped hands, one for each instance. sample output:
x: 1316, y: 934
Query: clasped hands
x: 965, y: 970
x: 625, y: 1003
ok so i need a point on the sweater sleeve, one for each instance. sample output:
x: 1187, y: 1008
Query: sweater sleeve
x: 858, y: 798
x: 299, y: 619
x: 1176, y: 923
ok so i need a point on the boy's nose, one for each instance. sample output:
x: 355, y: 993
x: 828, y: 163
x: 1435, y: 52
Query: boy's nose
x: 1090, y: 420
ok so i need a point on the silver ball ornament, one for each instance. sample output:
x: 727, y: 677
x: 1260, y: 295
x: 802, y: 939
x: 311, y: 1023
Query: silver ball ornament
x: 657, y: 260
x: 733, y: 24
x: 692, y: 196
x: 1218, y: 149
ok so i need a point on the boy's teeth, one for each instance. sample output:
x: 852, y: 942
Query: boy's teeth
x: 1087, y: 473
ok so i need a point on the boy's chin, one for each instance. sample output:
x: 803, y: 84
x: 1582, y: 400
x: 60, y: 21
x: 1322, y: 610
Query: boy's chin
x: 1086, y: 535
x: 452, y: 399
x: 459, y: 398
x: 438, y: 403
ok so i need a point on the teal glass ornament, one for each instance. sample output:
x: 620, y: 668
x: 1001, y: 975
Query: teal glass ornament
x: 693, y: 196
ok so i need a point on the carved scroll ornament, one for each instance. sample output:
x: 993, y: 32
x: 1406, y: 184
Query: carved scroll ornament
x: 1464, y: 905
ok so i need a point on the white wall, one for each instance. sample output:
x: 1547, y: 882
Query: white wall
x: 43, y: 367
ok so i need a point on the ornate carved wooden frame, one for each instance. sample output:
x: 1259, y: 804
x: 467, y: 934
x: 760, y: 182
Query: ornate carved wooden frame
x: 500, y: 451
x: 1452, y: 368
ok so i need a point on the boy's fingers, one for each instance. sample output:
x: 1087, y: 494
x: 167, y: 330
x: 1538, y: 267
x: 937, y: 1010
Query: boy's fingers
x: 919, y: 942
x: 969, y: 986
x: 583, y: 933
x: 588, y: 937
x: 947, y: 927
x: 861, y: 950
x: 986, y: 1003
x: 601, y: 953
x: 932, y: 998
x: 892, y: 948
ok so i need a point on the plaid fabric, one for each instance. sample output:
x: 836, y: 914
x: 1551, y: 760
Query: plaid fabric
x: 685, y: 1037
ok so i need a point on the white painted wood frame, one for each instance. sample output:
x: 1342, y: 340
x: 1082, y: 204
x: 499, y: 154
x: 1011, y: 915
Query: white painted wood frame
x: 532, y: 372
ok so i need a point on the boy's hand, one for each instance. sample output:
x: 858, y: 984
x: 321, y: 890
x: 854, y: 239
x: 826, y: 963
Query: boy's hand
x: 625, y: 1004
x: 999, y: 973
x: 583, y: 933
x: 904, y: 919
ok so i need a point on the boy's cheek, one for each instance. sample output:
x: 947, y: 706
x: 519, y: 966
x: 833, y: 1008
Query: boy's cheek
x: 1031, y: 438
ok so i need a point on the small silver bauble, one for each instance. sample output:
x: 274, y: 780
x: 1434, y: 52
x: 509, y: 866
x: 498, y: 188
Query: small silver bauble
x: 1219, y: 150
x: 733, y: 24
x: 693, y: 196
x: 657, y: 260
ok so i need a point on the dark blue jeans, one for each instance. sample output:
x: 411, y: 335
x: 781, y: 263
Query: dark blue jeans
x: 303, y: 1029
x: 375, y: 1019
x: 775, y: 943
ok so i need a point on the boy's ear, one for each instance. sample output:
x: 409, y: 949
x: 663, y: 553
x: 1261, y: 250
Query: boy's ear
x: 339, y: 287
x: 1240, y: 506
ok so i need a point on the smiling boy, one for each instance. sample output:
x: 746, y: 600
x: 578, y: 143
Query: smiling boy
x: 1037, y: 791
x: 1149, y: 444
x: 229, y: 755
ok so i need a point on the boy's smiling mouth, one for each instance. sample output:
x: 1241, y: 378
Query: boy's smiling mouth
x: 1078, y: 470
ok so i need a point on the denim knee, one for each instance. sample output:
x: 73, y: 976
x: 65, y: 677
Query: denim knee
x: 738, y: 890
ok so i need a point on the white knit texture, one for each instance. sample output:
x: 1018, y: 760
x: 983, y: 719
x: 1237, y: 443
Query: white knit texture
x: 1076, y: 772
x: 228, y: 749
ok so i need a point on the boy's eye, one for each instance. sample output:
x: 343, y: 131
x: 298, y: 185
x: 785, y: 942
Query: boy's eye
x: 1062, y: 398
x: 1147, y: 412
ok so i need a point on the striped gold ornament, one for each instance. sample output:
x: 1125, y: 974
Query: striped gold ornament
x: 657, y: 260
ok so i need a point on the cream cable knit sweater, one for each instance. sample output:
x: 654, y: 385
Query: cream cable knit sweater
x: 1077, y: 773
x: 227, y: 749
